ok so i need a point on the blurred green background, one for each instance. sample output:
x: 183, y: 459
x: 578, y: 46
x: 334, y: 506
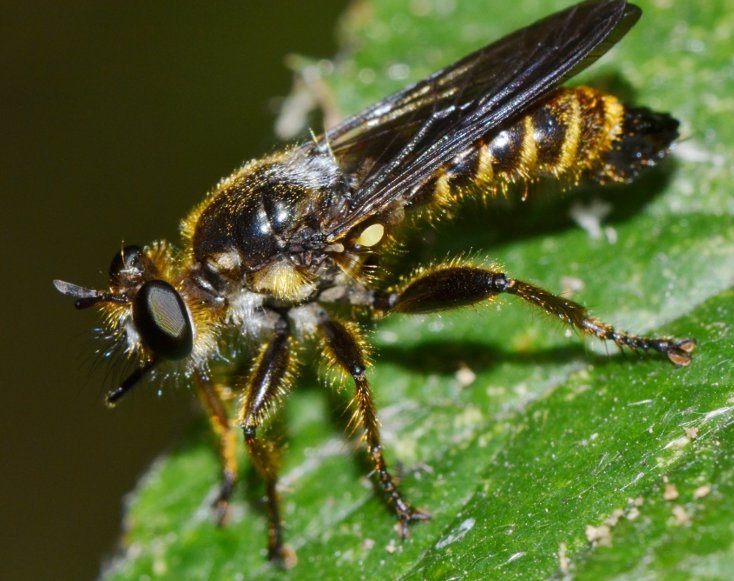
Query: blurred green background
x: 117, y: 118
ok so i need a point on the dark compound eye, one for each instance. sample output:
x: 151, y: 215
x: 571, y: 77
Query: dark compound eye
x: 161, y: 319
x: 130, y: 260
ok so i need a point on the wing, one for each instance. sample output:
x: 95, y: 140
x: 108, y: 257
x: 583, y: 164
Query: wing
x: 396, y: 145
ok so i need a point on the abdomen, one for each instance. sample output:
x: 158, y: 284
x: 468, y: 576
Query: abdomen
x: 574, y: 134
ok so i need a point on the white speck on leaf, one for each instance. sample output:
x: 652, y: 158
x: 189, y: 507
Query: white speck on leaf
x: 590, y: 216
x: 702, y: 491
x: 457, y: 534
x: 515, y: 557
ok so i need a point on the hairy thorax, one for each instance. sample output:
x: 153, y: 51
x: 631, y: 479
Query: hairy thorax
x: 260, y: 229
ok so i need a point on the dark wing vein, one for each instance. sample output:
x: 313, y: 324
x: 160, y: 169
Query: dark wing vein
x: 396, y: 145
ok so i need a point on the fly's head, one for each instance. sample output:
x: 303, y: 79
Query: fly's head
x: 148, y: 312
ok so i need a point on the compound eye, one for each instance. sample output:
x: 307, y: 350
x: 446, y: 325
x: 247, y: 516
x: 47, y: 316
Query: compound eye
x: 161, y: 319
x: 127, y: 264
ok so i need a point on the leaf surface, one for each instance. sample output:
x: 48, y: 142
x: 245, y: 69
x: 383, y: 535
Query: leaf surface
x: 538, y: 454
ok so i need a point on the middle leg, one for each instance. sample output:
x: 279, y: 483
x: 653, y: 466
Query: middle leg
x: 220, y: 423
x: 346, y: 348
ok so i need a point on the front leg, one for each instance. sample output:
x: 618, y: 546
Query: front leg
x: 268, y: 382
x: 220, y: 423
x: 346, y: 348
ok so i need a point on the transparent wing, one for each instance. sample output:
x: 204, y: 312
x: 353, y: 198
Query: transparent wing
x: 393, y: 147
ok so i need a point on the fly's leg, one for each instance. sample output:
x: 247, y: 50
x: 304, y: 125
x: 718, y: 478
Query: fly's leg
x: 268, y: 382
x: 345, y: 347
x: 453, y: 286
x: 220, y: 423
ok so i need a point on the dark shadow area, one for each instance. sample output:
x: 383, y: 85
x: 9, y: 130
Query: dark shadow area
x: 504, y: 220
x: 445, y: 357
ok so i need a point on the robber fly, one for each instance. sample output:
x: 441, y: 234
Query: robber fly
x: 274, y: 252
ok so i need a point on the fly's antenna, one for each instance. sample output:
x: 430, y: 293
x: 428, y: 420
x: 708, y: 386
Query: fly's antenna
x: 87, y: 297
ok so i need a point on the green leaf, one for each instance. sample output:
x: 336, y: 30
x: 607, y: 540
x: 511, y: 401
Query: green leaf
x: 538, y: 454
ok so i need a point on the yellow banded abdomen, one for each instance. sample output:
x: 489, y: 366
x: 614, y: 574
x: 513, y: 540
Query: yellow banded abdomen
x: 573, y: 134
